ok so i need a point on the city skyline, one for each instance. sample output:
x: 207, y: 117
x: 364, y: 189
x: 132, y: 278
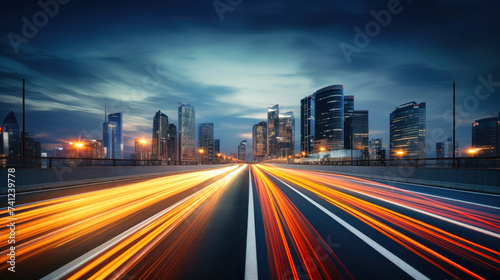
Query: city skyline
x: 229, y: 70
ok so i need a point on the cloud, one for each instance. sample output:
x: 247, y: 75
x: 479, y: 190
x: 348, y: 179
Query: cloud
x: 148, y: 56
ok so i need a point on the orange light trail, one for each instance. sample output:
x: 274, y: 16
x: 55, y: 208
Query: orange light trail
x: 282, y: 222
x: 52, y: 223
x: 122, y: 257
x: 381, y: 219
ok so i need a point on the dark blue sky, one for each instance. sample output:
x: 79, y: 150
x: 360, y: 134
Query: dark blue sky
x: 143, y: 56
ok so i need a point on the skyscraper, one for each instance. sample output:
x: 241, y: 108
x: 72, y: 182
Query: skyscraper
x: 112, y: 136
x: 407, y: 131
x: 485, y: 136
x: 286, y: 139
x: 32, y: 148
x: 242, y: 150
x: 272, y: 130
x: 359, y: 128
x: 259, y: 141
x: 440, y: 149
x: 329, y: 120
x: 307, y: 124
x: 377, y: 152
x: 96, y: 149
x: 217, y: 146
x: 10, y: 136
x: 142, y: 150
x: 172, y: 143
x: 160, y: 135
x: 206, y: 142
x: 348, y: 119
x: 187, y: 133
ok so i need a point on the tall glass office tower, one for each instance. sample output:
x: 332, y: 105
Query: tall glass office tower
x: 206, y: 142
x: 160, y: 136
x: 485, y: 136
x: 286, y: 134
x: 307, y: 124
x: 172, y: 143
x: 407, y: 131
x: 242, y: 150
x: 329, y: 121
x: 259, y: 141
x: 216, y: 146
x: 187, y: 134
x: 112, y: 136
x: 10, y: 136
x: 348, y: 121
x: 272, y: 130
x: 360, y: 132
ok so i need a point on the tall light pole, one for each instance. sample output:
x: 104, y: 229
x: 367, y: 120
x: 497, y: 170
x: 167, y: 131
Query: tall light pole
x: 454, y: 143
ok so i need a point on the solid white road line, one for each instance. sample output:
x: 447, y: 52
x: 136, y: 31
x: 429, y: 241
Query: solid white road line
x: 383, y: 251
x: 251, y: 272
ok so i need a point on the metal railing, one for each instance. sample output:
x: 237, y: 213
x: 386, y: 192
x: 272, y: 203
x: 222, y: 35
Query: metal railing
x: 61, y: 162
x: 459, y: 162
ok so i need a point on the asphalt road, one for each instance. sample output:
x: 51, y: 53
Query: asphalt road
x: 249, y: 222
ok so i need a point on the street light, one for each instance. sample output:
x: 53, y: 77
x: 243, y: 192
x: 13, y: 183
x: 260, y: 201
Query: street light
x: 322, y: 149
x: 400, y: 153
x: 78, y: 146
x: 473, y: 151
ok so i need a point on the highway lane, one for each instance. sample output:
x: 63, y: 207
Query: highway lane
x: 423, y: 236
x: 301, y: 225
x: 88, y: 235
